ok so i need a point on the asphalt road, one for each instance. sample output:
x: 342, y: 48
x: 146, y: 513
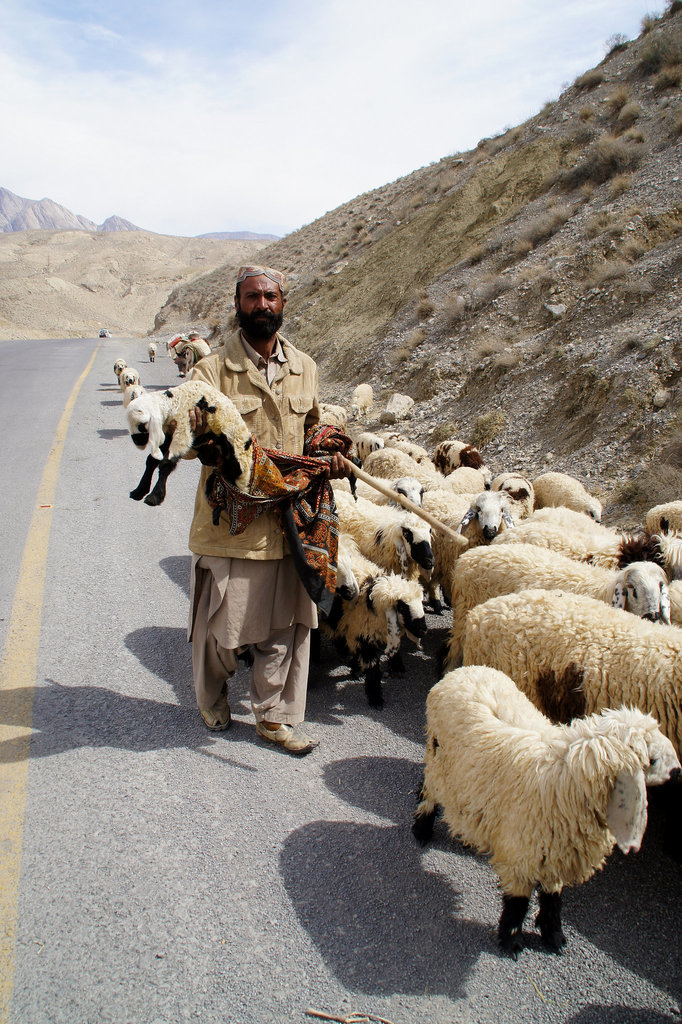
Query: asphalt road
x: 173, y: 875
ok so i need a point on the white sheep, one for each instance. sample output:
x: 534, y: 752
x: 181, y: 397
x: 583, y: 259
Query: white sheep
x: 394, y: 539
x: 641, y: 588
x: 545, y: 803
x: 366, y: 443
x: 415, y: 451
x: 405, y: 485
x: 563, y: 489
x: 334, y: 415
x: 392, y: 463
x: 149, y: 419
x: 371, y: 625
x: 665, y: 518
x: 362, y: 400
x: 129, y: 375
x: 572, y: 655
x: 151, y: 351
x: 520, y: 491
x: 465, y: 480
x: 449, y: 455
x: 132, y: 392
x: 119, y: 366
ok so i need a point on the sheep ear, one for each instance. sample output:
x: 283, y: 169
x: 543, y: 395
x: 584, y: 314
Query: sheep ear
x: 156, y: 436
x: 508, y: 519
x: 618, y: 599
x: 471, y: 514
x: 626, y: 813
x: 665, y: 604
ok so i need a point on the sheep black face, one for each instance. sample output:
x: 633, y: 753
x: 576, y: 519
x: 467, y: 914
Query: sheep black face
x: 420, y: 550
x: 411, y: 620
x: 141, y: 437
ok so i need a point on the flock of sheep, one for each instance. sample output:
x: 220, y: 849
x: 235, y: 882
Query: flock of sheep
x: 561, y: 691
x: 560, y: 696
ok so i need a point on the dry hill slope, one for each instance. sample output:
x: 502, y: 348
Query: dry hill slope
x: 525, y: 294
x: 71, y: 283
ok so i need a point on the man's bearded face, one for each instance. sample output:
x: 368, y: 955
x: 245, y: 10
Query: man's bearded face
x: 260, y: 325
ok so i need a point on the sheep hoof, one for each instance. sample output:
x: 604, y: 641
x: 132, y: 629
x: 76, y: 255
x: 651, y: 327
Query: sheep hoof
x: 422, y: 827
x: 153, y: 500
x: 512, y: 944
x: 137, y: 494
x: 548, y: 920
x: 437, y: 607
x: 396, y: 663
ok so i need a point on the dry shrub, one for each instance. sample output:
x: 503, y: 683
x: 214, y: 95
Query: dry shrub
x: 487, y: 427
x: 669, y: 78
x: 454, y: 309
x: 586, y: 113
x: 476, y: 254
x: 425, y: 306
x: 649, y: 21
x: 444, y: 431
x: 628, y: 115
x: 615, y: 44
x: 633, y: 249
x: 617, y: 100
x: 590, y: 80
x: 490, y: 288
x: 635, y: 135
x: 544, y: 226
x: 677, y: 124
x: 638, y: 289
x: 507, y: 360
x: 485, y: 348
x: 620, y: 184
x: 587, y: 190
x: 662, y: 50
x: 415, y: 339
x: 605, y: 272
x: 521, y: 246
x: 605, y: 158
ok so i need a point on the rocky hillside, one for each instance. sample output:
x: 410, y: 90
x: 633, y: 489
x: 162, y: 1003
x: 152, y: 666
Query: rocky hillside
x: 71, y: 283
x: 526, y: 294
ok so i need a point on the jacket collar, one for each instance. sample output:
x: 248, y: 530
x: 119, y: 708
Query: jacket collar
x: 237, y: 360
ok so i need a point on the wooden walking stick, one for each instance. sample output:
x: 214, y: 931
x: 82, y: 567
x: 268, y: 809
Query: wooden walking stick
x: 406, y: 503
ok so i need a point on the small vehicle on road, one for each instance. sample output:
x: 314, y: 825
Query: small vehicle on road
x: 104, y: 333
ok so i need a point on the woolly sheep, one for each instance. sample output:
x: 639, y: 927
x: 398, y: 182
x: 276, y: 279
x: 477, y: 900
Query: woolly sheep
x: 563, y: 489
x: 545, y: 803
x: 347, y: 584
x: 362, y: 400
x: 465, y: 480
x: 482, y: 573
x: 392, y: 463
x: 149, y: 418
x: 129, y: 375
x: 520, y: 491
x: 131, y: 392
x: 119, y: 366
x: 449, y: 455
x: 664, y: 518
x: 151, y: 351
x: 371, y: 625
x: 395, y: 539
x: 366, y: 443
x: 334, y: 415
x: 572, y: 655
x: 415, y: 451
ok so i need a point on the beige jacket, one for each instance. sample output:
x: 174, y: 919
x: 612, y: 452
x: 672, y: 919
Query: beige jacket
x: 278, y: 417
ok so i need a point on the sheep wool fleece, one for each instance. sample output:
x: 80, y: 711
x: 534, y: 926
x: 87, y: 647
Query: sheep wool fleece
x: 222, y: 586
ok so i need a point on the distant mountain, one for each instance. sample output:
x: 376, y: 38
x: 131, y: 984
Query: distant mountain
x: 239, y: 236
x: 19, y: 214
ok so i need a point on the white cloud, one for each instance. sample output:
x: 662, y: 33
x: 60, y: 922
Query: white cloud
x: 347, y: 96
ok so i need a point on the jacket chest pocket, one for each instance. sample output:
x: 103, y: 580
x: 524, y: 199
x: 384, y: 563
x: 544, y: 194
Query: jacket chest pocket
x: 300, y: 405
x: 248, y: 406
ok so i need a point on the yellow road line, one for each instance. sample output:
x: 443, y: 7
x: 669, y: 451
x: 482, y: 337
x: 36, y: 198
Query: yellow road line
x: 17, y: 687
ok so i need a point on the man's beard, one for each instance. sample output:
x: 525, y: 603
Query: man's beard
x: 260, y: 326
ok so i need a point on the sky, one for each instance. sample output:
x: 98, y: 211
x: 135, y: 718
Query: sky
x: 262, y: 115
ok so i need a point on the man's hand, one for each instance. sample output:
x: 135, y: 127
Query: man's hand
x: 338, y: 467
x: 197, y: 420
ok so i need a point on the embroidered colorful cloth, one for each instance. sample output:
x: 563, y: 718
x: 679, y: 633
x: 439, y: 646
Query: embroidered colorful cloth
x: 297, y: 488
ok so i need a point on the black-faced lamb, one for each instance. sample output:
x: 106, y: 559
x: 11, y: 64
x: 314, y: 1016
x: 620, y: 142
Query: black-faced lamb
x: 485, y: 572
x: 545, y: 803
x: 394, y: 539
x: 370, y: 626
x: 572, y: 655
x: 149, y: 421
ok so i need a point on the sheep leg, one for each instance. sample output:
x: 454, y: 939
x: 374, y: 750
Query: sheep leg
x: 509, y: 928
x: 424, y: 817
x: 373, y: 686
x: 396, y: 663
x: 548, y: 920
x: 145, y: 480
x: 158, y: 494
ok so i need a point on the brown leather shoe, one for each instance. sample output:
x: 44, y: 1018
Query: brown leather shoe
x: 290, y: 737
x: 217, y: 718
